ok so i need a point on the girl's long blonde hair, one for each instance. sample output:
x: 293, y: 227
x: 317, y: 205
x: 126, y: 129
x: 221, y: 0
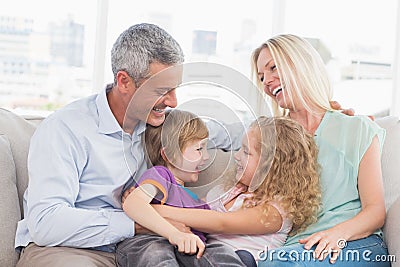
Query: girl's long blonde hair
x: 288, y: 169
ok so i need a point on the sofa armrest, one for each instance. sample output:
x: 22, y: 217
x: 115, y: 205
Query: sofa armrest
x: 9, y: 205
x: 391, y: 231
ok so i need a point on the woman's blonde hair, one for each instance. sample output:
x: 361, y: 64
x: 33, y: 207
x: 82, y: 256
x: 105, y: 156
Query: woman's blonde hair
x: 301, y: 71
x: 179, y: 128
x: 288, y: 169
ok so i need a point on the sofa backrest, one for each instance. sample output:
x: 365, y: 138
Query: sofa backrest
x: 391, y: 183
x: 9, y: 204
x: 19, y: 130
x: 391, y: 159
x: 16, y: 131
x: 15, y: 134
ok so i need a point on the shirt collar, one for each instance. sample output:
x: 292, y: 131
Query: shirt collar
x: 139, y: 129
x: 107, y: 122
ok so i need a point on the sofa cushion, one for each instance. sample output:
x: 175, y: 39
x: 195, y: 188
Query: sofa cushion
x: 391, y: 159
x: 18, y: 132
x: 392, y: 230
x: 9, y: 204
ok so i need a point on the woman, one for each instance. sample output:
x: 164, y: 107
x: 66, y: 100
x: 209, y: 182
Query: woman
x: 293, y: 75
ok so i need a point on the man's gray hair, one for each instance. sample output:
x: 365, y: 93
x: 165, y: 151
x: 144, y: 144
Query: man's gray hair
x: 139, y: 46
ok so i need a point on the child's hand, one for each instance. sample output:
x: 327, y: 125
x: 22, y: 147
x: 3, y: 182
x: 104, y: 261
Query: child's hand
x: 180, y: 226
x: 188, y: 243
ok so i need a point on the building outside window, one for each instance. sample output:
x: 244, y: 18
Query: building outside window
x: 46, y: 59
x: 47, y: 56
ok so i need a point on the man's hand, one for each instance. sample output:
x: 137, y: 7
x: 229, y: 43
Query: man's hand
x: 348, y: 112
x: 178, y: 225
x: 139, y: 229
x: 126, y: 194
x: 335, y: 105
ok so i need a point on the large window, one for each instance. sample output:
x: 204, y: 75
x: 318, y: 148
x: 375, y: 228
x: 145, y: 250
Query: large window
x: 210, y: 31
x: 357, y: 40
x: 47, y: 48
x: 46, y: 53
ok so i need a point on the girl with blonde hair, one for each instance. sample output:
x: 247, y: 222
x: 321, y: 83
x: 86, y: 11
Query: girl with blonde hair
x: 277, y: 191
x: 292, y: 74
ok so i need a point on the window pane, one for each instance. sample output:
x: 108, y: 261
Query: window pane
x: 222, y: 32
x: 46, y: 53
x: 47, y: 48
x: 357, y: 38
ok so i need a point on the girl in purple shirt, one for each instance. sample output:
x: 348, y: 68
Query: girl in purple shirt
x: 177, y: 150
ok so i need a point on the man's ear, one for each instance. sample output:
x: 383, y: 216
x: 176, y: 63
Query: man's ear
x: 124, y: 82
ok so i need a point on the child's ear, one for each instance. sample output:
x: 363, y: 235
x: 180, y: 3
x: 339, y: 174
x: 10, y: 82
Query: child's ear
x: 167, y: 160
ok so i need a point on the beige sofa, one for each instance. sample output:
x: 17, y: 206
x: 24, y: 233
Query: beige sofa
x: 15, y: 133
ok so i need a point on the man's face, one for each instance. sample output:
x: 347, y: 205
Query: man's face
x: 155, y: 94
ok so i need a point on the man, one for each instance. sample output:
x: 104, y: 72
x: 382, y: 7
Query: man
x: 82, y: 155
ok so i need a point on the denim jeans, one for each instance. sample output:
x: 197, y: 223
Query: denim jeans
x: 246, y: 257
x: 369, y: 251
x: 153, y: 251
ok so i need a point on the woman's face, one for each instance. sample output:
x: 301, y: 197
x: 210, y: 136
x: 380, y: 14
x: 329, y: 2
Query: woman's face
x: 268, y: 75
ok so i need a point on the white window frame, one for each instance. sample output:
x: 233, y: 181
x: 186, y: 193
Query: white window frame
x: 395, y: 108
x: 100, y: 45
